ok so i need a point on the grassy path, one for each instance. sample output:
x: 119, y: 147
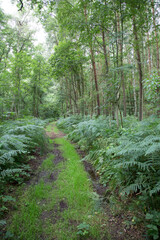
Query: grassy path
x: 59, y: 204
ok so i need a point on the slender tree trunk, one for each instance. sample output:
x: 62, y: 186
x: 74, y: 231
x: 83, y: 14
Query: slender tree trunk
x: 149, y: 55
x: 67, y: 95
x: 83, y: 91
x: 139, y: 63
x: 121, y: 62
x: 156, y: 36
x: 117, y: 65
x: 34, y: 100
x: 92, y: 94
x: 142, y: 54
x: 134, y: 94
x: 38, y: 92
x: 75, y: 95
x: 117, y: 117
x: 104, y: 51
x: 70, y: 98
x: 18, y: 95
x: 107, y: 67
x: 94, y: 66
x: 95, y: 80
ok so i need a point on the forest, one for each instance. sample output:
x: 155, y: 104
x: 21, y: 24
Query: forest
x: 80, y: 120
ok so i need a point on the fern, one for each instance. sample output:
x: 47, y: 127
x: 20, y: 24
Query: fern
x: 18, y: 139
x: 128, y: 157
x: 10, y: 172
x: 156, y: 189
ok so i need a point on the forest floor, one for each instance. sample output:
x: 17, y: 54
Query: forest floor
x: 63, y: 200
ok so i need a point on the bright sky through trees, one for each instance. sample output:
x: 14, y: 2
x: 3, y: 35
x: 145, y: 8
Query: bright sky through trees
x: 11, y: 9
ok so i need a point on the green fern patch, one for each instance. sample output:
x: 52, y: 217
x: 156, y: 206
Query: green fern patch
x: 127, y: 159
x: 18, y: 140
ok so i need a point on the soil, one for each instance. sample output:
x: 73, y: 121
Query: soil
x: 63, y: 205
x: 53, y: 135
x: 116, y: 223
x: 47, y: 176
x: 58, y: 156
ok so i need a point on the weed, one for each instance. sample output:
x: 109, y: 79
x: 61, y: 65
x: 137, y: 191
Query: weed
x: 83, y: 229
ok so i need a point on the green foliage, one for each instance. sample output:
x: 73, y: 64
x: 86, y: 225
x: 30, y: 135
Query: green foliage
x: 18, y: 139
x: 67, y: 57
x: 153, y: 219
x: 127, y: 158
x: 87, y: 132
x: 151, y: 85
x: 69, y: 122
x: 83, y: 229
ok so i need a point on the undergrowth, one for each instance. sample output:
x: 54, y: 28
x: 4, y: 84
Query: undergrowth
x: 18, y: 141
x: 127, y: 160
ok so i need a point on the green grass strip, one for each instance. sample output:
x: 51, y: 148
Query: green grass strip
x: 48, y: 163
x: 54, y: 209
x: 74, y: 188
x: 73, y: 179
x: 52, y: 128
x: 26, y: 222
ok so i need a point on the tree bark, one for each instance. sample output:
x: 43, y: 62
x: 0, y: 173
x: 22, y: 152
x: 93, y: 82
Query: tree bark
x: 94, y: 68
x: 139, y: 63
x: 104, y: 51
x: 156, y: 36
x: 121, y: 62
x: 149, y: 55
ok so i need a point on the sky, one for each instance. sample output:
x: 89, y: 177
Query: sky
x: 11, y: 9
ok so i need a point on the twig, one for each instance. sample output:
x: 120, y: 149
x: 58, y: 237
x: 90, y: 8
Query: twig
x: 21, y: 2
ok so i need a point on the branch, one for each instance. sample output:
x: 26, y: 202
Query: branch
x: 21, y: 2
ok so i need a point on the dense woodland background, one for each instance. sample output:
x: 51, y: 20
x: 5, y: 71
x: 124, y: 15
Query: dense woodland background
x: 102, y: 57
x: 99, y: 72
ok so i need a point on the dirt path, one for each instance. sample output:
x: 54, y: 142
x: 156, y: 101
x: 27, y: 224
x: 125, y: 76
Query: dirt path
x: 64, y: 200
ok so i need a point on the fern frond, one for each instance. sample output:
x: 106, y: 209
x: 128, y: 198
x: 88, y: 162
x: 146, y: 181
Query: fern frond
x: 156, y: 189
x: 10, y: 172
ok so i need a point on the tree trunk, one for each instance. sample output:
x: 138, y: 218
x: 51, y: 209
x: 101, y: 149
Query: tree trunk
x: 95, y: 80
x: 104, y: 51
x: 121, y: 62
x: 94, y: 67
x: 139, y: 63
x: 149, y: 55
x: 156, y: 36
x: 34, y: 100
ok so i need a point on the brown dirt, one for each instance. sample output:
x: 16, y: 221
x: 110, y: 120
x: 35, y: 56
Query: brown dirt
x: 36, y: 161
x: 53, y: 135
x: 53, y: 176
x: 58, y: 156
x: 47, y: 176
x: 63, y: 205
x: 116, y: 224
